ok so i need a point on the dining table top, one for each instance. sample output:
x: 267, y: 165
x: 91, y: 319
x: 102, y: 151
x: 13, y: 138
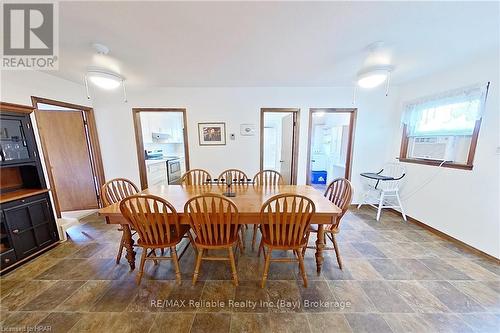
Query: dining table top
x: 248, y: 199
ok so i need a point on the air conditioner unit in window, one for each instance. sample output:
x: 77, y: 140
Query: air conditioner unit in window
x: 434, y: 148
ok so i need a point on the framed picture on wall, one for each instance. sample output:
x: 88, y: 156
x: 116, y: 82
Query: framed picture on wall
x: 212, y: 134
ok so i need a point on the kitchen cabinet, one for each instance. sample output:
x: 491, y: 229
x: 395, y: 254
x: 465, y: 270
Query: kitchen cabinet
x: 169, y: 123
x: 27, y: 221
x: 157, y: 172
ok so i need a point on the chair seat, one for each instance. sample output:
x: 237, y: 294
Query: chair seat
x: 265, y: 231
x: 175, y: 238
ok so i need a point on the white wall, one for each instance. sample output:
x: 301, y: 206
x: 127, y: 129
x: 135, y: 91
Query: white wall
x: 17, y: 86
x: 461, y: 203
x: 237, y: 106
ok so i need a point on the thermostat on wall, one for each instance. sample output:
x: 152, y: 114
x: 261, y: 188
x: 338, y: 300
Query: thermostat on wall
x: 247, y: 129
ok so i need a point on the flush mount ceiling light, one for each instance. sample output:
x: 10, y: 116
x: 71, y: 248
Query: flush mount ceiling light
x: 373, y: 77
x: 104, y: 79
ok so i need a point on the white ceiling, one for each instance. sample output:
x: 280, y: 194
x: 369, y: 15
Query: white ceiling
x: 270, y: 43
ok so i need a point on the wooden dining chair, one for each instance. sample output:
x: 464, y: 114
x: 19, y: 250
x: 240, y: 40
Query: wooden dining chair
x: 268, y: 178
x: 158, y: 227
x: 195, y: 177
x: 214, y: 221
x: 234, y: 174
x: 114, y: 191
x: 284, y: 222
x: 340, y: 193
x: 265, y: 178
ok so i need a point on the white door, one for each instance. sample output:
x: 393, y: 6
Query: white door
x: 286, y: 148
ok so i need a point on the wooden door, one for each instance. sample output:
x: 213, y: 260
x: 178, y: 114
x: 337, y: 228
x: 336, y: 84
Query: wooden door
x: 286, y: 148
x: 66, y: 151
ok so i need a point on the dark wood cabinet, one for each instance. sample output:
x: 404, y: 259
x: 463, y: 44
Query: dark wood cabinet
x: 27, y: 222
x: 31, y: 224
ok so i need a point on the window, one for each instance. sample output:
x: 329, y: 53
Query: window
x: 443, y: 129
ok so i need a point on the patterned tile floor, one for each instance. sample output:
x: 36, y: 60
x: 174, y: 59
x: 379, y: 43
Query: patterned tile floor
x: 397, y: 278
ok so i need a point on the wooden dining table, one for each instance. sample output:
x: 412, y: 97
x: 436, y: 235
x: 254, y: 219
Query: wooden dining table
x: 248, y: 199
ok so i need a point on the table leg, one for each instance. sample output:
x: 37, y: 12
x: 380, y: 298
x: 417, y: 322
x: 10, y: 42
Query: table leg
x: 320, y: 244
x: 129, y: 246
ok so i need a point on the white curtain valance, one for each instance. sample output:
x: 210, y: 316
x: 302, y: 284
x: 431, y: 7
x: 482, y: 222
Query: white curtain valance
x: 450, y: 113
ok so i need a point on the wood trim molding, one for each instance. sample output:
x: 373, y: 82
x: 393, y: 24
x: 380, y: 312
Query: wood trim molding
x: 448, y: 237
x: 436, y: 163
x: 95, y: 149
x: 11, y: 107
x: 59, y: 103
x: 295, y: 138
x: 350, y: 144
x: 403, y: 152
x: 439, y: 234
x: 139, y: 143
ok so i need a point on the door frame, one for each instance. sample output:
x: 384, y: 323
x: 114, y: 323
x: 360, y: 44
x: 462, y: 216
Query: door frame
x: 350, y: 144
x: 140, y: 143
x: 92, y: 140
x: 295, y: 138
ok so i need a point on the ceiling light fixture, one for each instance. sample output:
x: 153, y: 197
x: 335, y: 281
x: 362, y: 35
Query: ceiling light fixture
x: 373, y: 77
x: 104, y: 79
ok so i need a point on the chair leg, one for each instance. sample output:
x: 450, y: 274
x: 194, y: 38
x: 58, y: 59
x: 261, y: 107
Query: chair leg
x: 233, y: 266
x: 307, y: 242
x: 266, y: 267
x: 261, y: 248
x: 141, y: 266
x: 363, y: 199
x: 120, y: 250
x: 175, y: 259
x: 197, y: 267
x: 242, y: 238
x: 380, y: 205
x: 302, y: 268
x: 254, y: 236
x: 153, y: 254
x: 191, y: 240
x: 401, y: 206
x: 241, y: 246
x: 337, y: 252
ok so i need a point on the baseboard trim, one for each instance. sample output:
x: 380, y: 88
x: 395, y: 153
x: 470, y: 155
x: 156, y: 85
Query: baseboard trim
x: 441, y: 234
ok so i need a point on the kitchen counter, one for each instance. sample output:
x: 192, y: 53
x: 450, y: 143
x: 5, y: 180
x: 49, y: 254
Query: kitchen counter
x: 150, y: 162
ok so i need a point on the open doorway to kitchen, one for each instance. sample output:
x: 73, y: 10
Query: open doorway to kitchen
x: 279, y: 135
x: 71, y: 155
x: 331, y: 138
x: 162, y: 145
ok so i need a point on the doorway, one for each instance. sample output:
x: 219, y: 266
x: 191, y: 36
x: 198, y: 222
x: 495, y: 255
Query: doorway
x: 330, y: 145
x: 279, y: 135
x: 162, y: 145
x: 71, y: 154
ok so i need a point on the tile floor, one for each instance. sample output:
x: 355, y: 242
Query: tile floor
x: 397, y: 278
